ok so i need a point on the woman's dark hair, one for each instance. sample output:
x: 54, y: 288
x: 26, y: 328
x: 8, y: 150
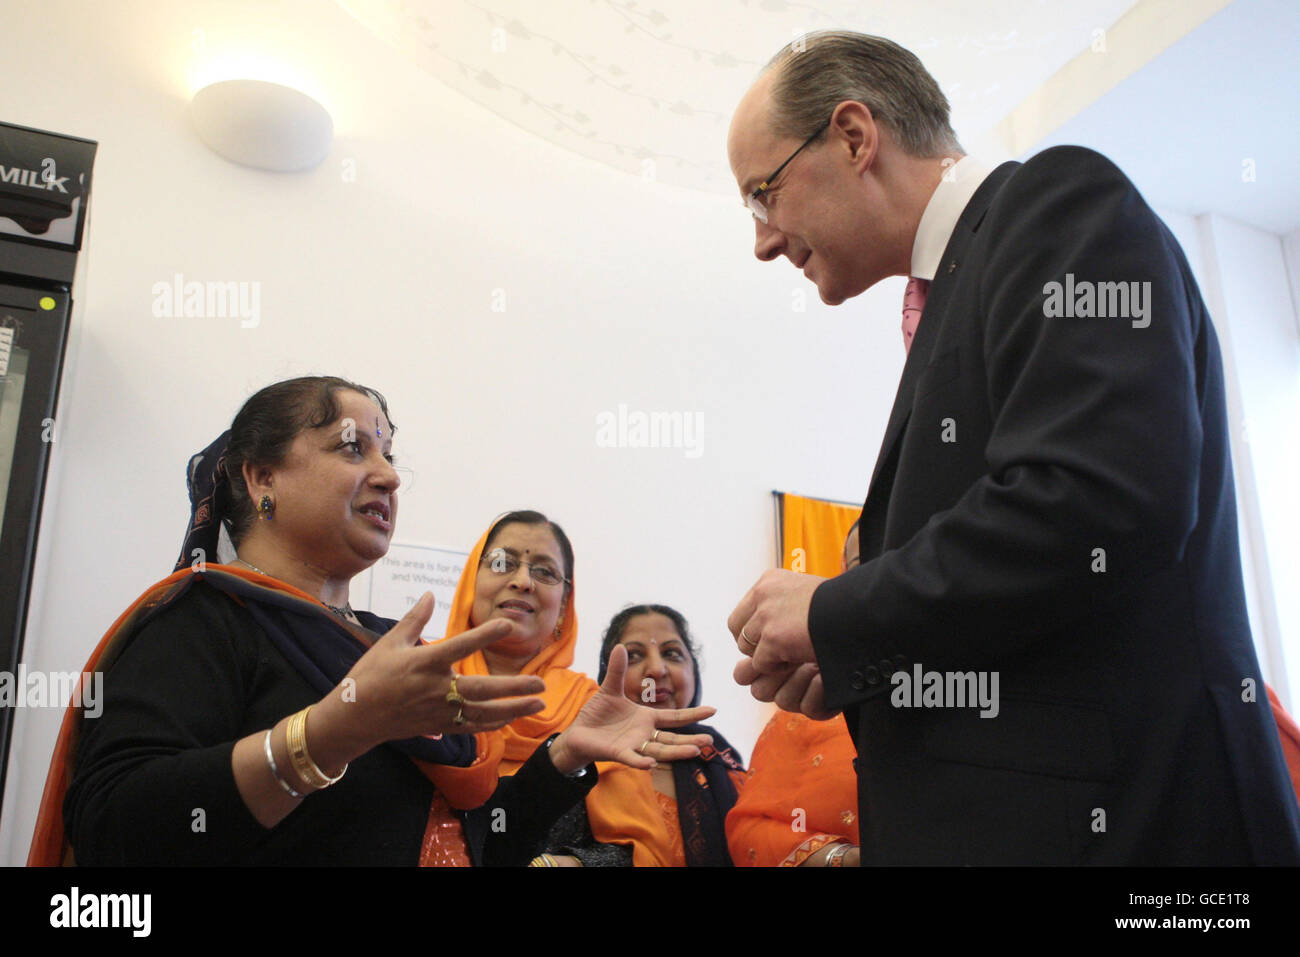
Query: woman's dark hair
x: 618, y: 625
x: 268, y: 423
x: 530, y: 517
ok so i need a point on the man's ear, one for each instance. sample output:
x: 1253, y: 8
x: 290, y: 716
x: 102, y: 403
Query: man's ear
x: 854, y: 126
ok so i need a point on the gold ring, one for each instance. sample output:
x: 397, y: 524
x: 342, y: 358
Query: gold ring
x: 454, y: 696
x: 656, y: 737
x: 644, y: 745
x: 747, y: 640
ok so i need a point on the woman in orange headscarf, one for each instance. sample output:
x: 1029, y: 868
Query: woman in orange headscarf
x: 522, y: 570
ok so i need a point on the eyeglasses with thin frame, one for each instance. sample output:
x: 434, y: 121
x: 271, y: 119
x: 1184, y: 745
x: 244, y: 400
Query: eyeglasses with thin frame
x: 754, y: 202
x: 501, y: 562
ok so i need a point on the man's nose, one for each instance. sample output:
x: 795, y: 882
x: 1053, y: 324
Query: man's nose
x: 768, y: 242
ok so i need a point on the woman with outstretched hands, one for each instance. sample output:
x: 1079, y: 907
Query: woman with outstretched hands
x: 251, y: 716
x: 522, y: 571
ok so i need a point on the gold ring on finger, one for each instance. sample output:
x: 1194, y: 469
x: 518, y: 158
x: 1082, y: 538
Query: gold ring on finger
x: 644, y: 744
x: 454, y: 696
x: 656, y: 737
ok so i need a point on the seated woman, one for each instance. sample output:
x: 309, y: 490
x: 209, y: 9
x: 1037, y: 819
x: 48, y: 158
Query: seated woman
x: 193, y: 759
x: 674, y: 815
x: 799, y: 807
x: 521, y: 571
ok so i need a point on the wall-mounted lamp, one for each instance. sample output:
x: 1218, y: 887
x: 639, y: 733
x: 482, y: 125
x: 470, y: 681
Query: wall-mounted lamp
x: 262, y: 124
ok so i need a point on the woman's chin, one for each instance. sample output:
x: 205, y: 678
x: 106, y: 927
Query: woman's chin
x: 362, y: 550
x: 516, y: 645
x: 368, y: 558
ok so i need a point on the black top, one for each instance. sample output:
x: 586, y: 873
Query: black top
x: 153, y: 781
x: 572, y: 836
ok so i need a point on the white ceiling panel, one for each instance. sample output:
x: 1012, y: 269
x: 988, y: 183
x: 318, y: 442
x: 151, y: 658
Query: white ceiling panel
x: 648, y: 86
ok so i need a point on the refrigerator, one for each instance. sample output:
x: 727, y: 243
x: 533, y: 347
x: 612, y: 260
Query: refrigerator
x: 44, y: 197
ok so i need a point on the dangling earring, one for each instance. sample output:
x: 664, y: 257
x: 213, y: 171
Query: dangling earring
x: 266, y: 507
x: 559, y: 624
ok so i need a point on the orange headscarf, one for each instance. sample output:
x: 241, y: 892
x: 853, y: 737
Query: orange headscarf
x: 566, y: 691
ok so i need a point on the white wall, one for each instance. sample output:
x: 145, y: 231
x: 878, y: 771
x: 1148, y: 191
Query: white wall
x: 1210, y: 253
x: 1249, y: 293
x: 1291, y: 253
x: 617, y: 290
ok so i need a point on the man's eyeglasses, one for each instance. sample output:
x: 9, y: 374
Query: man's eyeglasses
x: 502, y: 562
x: 755, y: 200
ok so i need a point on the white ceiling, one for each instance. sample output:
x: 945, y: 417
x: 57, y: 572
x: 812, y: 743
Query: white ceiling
x: 648, y: 86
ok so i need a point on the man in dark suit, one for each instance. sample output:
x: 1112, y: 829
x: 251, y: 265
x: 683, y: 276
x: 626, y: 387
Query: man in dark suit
x: 1044, y: 656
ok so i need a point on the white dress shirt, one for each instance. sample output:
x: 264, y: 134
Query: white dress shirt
x: 942, y: 212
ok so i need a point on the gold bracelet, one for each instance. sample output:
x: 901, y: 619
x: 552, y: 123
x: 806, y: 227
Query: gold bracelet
x: 308, y: 771
x: 543, y: 860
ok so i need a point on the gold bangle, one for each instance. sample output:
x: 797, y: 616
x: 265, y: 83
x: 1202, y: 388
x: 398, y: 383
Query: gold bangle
x: 543, y: 860
x: 306, y: 768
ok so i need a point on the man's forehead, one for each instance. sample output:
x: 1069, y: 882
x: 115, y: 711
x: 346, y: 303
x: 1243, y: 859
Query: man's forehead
x: 751, y: 140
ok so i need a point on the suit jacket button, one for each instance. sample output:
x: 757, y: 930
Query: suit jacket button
x: 873, y: 675
x: 857, y: 681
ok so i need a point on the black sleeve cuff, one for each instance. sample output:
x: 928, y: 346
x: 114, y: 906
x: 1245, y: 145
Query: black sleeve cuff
x: 854, y: 667
x: 516, y: 820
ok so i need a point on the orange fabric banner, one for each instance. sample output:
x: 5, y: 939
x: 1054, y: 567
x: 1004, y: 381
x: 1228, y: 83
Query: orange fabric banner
x: 812, y: 533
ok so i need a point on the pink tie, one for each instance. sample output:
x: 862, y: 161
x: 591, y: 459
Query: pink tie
x: 913, y: 304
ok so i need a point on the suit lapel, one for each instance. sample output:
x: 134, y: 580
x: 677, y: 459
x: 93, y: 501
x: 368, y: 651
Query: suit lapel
x: 927, y: 333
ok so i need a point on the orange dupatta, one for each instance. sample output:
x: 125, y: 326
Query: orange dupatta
x: 624, y: 808
x: 802, y: 793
